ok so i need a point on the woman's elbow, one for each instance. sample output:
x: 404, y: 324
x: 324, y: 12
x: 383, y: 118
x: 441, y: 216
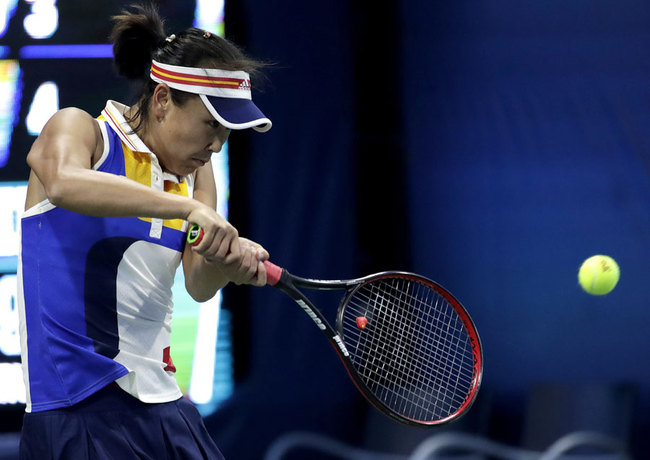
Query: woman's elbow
x: 55, y: 191
x: 200, y: 293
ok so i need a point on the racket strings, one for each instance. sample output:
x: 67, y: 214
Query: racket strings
x: 429, y: 374
x: 415, y: 354
x: 401, y: 378
x: 403, y: 351
x: 446, y: 349
x: 446, y: 372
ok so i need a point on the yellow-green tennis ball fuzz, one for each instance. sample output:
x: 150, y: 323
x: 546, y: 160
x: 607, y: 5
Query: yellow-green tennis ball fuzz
x: 598, y: 275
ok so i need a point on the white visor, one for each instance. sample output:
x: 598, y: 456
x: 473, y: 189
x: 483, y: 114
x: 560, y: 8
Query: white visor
x: 225, y: 93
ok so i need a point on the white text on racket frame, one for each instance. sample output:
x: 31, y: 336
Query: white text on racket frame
x: 311, y: 314
x: 322, y: 326
x: 341, y: 345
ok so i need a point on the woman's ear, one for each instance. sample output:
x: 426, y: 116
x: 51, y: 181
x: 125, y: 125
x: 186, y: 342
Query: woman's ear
x: 160, y: 101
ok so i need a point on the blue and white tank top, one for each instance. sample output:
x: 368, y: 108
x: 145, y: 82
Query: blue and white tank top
x: 94, y: 293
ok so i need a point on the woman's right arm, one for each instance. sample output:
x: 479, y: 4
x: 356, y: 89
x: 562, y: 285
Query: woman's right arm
x: 61, y: 161
x: 62, y: 157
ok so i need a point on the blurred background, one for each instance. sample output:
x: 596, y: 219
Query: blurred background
x: 491, y: 146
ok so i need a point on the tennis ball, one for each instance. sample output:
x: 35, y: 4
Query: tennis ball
x: 598, y: 275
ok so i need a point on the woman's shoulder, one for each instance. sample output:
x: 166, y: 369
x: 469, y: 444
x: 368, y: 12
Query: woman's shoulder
x: 72, y: 121
x: 70, y: 115
x: 72, y: 124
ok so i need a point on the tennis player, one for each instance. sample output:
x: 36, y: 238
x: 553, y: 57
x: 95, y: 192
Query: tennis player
x: 108, y: 204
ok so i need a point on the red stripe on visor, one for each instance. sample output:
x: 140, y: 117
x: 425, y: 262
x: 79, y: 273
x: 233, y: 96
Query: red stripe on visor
x: 225, y: 93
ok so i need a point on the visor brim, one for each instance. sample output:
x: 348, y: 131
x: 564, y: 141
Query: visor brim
x: 235, y: 113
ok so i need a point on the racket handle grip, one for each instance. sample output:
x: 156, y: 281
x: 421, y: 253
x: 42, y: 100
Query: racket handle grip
x: 195, y: 234
x: 273, y: 273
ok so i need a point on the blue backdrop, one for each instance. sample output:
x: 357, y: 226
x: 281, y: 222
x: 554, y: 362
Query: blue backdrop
x: 528, y: 150
x: 504, y: 143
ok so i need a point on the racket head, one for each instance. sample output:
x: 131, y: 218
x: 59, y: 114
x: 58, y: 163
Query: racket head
x: 414, y: 350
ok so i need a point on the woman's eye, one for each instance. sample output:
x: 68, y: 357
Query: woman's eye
x: 214, y: 124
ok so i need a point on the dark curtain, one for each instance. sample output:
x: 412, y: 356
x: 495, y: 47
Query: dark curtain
x: 491, y: 146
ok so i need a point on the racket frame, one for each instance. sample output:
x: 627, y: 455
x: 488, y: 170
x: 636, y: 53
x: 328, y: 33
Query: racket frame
x: 289, y: 284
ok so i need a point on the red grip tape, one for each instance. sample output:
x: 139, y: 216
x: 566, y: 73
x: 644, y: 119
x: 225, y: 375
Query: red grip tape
x: 273, y: 273
x: 200, y: 238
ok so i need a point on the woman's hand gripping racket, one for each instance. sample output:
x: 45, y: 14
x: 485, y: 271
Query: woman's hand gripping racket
x: 409, y: 346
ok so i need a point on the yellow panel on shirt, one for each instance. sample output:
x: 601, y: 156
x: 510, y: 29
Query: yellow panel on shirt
x: 137, y: 166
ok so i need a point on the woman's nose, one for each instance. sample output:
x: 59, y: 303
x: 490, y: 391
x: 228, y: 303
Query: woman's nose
x: 219, y: 139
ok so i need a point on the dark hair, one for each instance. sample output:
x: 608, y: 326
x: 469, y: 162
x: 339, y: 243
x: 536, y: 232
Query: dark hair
x: 138, y: 36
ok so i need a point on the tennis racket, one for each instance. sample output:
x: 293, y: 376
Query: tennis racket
x: 408, y: 344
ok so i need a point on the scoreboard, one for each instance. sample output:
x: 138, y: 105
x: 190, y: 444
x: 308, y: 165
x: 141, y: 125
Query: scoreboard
x: 55, y: 54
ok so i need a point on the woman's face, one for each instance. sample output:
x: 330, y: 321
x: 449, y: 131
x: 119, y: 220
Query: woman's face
x: 186, y: 136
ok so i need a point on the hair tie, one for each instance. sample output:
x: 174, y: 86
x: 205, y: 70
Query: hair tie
x: 171, y: 38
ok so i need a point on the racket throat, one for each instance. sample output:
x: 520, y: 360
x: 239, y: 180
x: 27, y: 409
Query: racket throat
x: 287, y: 286
x: 339, y: 343
x: 312, y: 314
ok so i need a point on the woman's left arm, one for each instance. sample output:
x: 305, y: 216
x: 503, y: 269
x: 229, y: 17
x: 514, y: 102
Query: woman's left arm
x: 204, y: 276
